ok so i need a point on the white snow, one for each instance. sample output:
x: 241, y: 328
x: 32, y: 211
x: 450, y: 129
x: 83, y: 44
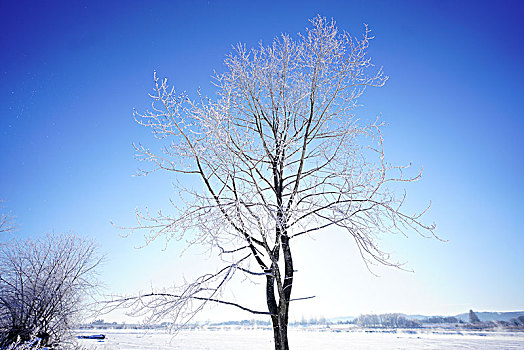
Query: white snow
x: 257, y: 339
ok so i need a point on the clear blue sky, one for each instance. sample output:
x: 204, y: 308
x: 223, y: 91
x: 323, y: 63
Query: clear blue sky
x: 72, y: 72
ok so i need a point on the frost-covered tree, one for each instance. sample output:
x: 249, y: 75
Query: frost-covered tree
x: 43, y: 285
x: 6, y: 222
x: 386, y: 320
x: 473, y: 318
x: 279, y: 155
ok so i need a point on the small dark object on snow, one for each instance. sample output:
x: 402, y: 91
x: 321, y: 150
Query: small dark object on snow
x: 94, y: 336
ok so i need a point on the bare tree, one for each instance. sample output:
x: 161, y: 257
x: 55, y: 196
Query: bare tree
x: 473, y: 318
x: 280, y: 156
x: 6, y: 222
x: 386, y: 320
x: 43, y: 284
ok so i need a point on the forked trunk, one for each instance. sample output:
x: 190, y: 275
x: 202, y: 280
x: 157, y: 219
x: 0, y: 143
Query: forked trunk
x: 280, y: 310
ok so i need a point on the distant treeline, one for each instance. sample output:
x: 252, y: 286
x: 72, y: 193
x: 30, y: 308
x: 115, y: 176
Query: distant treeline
x: 243, y: 323
x: 392, y: 320
x: 514, y: 322
x: 386, y: 320
x: 440, y: 319
x: 400, y: 321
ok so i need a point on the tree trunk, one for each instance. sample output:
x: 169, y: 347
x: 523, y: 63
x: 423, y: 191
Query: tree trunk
x: 280, y: 310
x: 279, y: 318
x: 277, y: 337
x: 280, y: 332
x: 273, y: 308
x: 287, y: 286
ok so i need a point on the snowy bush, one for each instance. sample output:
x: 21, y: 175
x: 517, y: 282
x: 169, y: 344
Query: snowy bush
x: 43, y: 285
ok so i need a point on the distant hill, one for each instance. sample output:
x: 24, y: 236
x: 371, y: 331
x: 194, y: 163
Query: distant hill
x: 415, y: 317
x: 491, y: 316
x: 342, y: 319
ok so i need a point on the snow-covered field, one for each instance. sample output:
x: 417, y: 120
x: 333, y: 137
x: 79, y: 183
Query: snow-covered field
x: 253, y: 339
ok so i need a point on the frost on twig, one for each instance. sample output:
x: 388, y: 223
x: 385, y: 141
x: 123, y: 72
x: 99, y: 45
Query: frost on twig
x: 7, y: 224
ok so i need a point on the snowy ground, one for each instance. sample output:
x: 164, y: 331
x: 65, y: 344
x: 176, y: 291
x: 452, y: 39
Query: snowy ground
x: 242, y: 339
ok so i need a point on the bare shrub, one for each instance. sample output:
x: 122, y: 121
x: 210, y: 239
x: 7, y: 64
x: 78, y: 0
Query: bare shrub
x: 43, y: 286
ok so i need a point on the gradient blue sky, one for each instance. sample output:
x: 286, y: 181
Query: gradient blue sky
x: 72, y: 72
